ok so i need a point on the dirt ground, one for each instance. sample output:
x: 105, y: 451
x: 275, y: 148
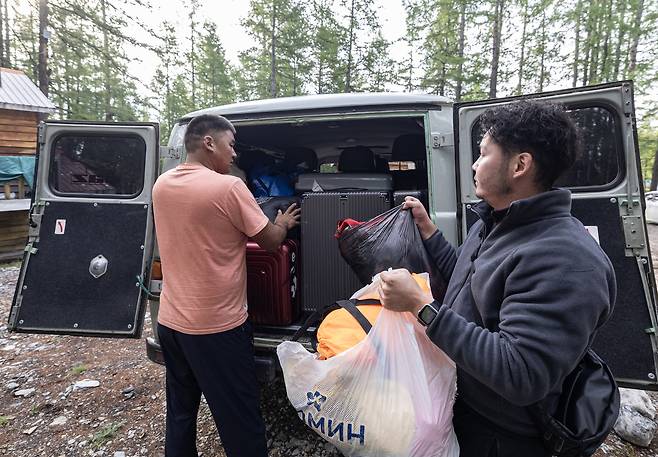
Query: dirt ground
x: 124, y: 415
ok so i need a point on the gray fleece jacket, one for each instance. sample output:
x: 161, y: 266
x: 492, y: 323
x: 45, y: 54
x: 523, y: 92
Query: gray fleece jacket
x: 540, y: 288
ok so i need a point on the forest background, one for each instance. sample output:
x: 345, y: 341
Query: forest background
x: 89, y: 56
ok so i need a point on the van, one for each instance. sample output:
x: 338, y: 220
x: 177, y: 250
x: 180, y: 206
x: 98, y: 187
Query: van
x: 90, y: 263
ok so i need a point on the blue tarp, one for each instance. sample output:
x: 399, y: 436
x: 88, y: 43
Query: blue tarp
x: 12, y: 167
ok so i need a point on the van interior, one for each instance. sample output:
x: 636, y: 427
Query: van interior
x: 335, y: 169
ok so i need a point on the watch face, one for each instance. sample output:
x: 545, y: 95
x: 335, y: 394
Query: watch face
x: 427, y: 314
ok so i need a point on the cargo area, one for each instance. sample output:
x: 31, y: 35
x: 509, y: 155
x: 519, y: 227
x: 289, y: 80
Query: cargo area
x: 334, y: 169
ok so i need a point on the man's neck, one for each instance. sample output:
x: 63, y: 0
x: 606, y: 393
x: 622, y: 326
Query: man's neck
x: 198, y: 159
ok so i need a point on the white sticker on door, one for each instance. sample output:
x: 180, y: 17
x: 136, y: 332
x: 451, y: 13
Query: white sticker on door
x: 60, y: 226
x: 594, y: 231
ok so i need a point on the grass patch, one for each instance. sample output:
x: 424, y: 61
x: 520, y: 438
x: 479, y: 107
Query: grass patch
x: 4, y: 420
x: 105, y: 434
x: 77, y: 370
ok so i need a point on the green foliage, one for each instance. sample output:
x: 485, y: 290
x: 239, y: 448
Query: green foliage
x: 279, y: 64
x: 105, y: 434
x: 4, y: 420
x: 77, y: 370
x: 648, y: 143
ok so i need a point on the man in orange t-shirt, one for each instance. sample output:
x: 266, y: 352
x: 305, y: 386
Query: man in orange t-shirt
x: 203, y: 218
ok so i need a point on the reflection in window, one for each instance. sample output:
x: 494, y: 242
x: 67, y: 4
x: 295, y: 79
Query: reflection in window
x: 98, y: 165
x: 600, y: 162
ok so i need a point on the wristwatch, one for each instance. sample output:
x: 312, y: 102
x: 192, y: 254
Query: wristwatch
x: 427, y: 314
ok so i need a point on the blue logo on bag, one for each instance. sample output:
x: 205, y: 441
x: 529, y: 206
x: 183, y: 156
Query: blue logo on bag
x: 335, y: 429
x: 315, y: 399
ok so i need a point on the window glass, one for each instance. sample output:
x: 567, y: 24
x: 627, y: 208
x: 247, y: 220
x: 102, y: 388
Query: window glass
x: 600, y: 163
x: 109, y: 165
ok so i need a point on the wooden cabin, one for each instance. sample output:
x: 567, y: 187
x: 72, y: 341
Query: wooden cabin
x: 22, y: 106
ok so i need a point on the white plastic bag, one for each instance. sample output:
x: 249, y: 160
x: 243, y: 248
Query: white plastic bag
x: 391, y: 395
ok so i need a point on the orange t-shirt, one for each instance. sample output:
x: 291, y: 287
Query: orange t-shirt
x: 202, y: 222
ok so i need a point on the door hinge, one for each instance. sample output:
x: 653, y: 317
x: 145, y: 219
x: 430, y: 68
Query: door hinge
x: 441, y: 140
x: 41, y: 133
x: 29, y: 247
x: 167, y: 152
x: 13, y: 315
x: 627, y: 98
x: 633, y: 232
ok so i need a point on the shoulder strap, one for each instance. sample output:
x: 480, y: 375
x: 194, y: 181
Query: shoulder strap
x: 349, y: 305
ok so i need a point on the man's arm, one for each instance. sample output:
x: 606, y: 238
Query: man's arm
x: 271, y: 237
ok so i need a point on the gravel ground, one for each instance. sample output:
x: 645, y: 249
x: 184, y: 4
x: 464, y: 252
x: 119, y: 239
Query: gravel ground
x: 123, y: 415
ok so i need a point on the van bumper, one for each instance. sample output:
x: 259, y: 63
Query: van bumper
x: 266, y: 365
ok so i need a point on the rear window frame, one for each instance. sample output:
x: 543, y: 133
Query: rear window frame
x: 87, y: 195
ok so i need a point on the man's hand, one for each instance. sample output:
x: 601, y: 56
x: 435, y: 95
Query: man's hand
x: 421, y: 218
x: 399, y: 291
x: 290, y: 218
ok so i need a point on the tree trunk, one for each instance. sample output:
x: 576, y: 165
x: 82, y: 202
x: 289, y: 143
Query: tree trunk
x: 605, y: 73
x: 3, y: 59
x: 273, y: 53
x: 620, y: 39
x: 519, y: 85
x: 6, y: 29
x: 460, y: 70
x: 192, y: 54
x: 574, y: 81
x: 588, y: 45
x: 348, y: 74
x: 497, y: 29
x: 106, y: 66
x: 632, y: 55
x: 542, y: 67
x: 594, y: 44
x: 43, y: 47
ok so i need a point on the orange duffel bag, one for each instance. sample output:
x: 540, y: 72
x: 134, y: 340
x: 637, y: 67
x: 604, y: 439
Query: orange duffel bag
x: 345, y: 323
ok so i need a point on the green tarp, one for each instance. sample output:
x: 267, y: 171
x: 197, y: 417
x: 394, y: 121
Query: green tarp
x: 12, y: 167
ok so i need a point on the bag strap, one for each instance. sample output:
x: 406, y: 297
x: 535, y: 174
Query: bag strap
x: 316, y: 317
x: 350, y: 307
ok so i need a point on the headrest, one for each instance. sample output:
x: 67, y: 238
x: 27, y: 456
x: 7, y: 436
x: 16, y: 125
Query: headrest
x: 357, y: 159
x: 409, y: 147
x: 299, y: 158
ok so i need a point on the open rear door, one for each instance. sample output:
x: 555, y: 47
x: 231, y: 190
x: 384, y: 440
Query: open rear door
x: 91, y: 231
x: 609, y: 200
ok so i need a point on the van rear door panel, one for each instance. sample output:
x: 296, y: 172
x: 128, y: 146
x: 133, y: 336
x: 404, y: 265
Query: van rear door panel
x: 608, y: 200
x: 90, y: 240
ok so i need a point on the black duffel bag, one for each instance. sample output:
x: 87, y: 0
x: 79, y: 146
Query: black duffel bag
x: 272, y: 205
x: 587, y: 410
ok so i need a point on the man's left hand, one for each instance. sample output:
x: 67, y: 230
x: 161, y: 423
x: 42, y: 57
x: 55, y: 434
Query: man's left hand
x: 399, y: 291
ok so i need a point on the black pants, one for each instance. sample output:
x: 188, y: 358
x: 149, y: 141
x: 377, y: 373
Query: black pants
x: 222, y: 367
x: 478, y: 437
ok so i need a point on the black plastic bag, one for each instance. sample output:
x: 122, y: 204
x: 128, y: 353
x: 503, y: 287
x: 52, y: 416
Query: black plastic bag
x: 388, y: 240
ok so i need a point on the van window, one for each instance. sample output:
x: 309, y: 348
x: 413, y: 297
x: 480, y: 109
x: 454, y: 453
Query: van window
x: 600, y: 164
x: 97, y: 165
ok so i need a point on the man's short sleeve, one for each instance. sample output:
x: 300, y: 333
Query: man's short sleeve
x: 243, y: 211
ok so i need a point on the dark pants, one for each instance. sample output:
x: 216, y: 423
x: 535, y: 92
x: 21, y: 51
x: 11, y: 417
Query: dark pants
x: 478, y: 437
x: 221, y: 366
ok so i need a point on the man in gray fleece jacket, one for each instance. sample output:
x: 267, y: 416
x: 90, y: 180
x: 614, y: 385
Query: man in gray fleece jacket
x: 527, y: 290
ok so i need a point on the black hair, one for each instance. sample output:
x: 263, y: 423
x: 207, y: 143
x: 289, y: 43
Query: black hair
x: 203, y: 125
x: 543, y: 129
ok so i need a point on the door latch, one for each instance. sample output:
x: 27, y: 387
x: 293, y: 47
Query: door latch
x: 98, y: 266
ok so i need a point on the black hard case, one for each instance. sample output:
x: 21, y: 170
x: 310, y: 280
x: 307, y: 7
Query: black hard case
x: 326, y: 277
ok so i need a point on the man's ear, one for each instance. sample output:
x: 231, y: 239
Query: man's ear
x: 524, y: 164
x: 208, y: 142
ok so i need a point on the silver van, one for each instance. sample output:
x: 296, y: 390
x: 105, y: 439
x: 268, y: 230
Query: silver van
x: 89, y: 267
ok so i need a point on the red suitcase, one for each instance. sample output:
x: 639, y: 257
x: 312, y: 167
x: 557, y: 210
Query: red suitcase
x: 272, y: 293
